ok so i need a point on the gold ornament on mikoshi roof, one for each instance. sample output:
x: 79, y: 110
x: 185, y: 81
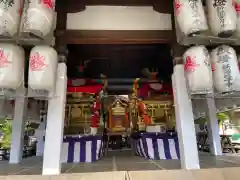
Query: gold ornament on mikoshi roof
x: 135, y: 88
x: 118, y: 109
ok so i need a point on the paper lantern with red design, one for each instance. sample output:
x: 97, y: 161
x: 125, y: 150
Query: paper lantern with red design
x: 40, y: 16
x: 12, y: 59
x: 237, y: 8
x: 222, y: 17
x: 190, y: 16
x: 42, y: 68
x: 198, y: 69
x: 10, y: 13
x: 225, y: 72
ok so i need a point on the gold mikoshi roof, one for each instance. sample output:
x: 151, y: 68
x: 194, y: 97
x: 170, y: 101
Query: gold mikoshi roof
x: 118, y: 109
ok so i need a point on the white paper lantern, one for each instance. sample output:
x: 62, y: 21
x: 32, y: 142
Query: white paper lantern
x: 10, y: 17
x: 238, y: 26
x: 40, y: 17
x: 12, y: 59
x: 198, y: 69
x: 224, y: 60
x: 237, y: 80
x: 42, y: 68
x: 190, y: 16
x: 222, y: 17
x: 237, y: 8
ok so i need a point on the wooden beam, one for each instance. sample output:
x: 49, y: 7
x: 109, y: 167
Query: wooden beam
x: 72, y: 6
x: 61, y: 26
x: 115, y: 37
x: 177, y: 53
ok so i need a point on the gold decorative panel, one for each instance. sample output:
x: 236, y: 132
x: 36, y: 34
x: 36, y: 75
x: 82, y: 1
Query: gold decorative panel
x: 78, y: 113
x: 160, y: 111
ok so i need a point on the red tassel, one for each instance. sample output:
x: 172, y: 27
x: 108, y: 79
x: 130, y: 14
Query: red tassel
x: 213, y: 68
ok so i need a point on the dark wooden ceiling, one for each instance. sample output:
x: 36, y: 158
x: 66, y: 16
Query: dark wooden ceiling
x: 119, y: 61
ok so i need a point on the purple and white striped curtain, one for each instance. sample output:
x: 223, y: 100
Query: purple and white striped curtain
x: 157, y: 146
x: 82, y: 149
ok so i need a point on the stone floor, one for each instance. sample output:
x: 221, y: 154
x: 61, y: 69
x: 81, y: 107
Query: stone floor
x: 117, y: 161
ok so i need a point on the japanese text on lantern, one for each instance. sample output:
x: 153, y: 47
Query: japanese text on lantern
x: 224, y: 59
x: 194, y: 7
x: 220, y: 4
x: 48, y: 3
x: 37, y: 62
x: 3, y: 59
x: 190, y: 64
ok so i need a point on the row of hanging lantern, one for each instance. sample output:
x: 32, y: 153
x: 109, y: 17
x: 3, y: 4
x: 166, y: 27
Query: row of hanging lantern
x: 33, y: 16
x: 42, y: 69
x: 205, y: 70
x: 221, y: 17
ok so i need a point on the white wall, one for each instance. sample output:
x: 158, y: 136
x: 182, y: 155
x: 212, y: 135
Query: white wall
x: 118, y: 18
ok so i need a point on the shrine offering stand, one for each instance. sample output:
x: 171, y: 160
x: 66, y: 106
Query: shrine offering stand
x: 87, y: 148
x: 156, y: 146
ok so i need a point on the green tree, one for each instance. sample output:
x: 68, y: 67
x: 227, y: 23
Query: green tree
x: 6, y: 129
x: 220, y: 116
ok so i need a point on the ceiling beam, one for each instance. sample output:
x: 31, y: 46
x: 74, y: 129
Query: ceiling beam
x: 115, y: 37
x: 61, y: 26
x: 72, y: 6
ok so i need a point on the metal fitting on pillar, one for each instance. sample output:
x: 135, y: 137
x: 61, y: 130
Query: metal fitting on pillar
x: 62, y: 53
x: 177, y: 60
x: 62, y: 58
x: 62, y: 50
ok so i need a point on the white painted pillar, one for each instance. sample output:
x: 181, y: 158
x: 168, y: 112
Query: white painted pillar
x: 55, y: 125
x: 40, y: 131
x: 184, y: 121
x: 213, y: 128
x: 18, y: 126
